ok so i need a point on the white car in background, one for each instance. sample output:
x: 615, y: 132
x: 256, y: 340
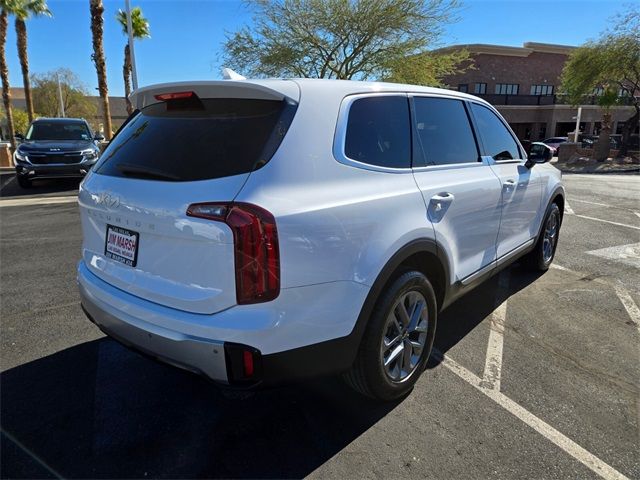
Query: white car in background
x: 261, y: 231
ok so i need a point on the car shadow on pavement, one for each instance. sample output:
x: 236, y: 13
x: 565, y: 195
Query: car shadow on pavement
x: 466, y: 313
x: 9, y: 188
x: 98, y: 410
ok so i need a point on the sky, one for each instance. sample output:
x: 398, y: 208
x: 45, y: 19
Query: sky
x: 187, y: 35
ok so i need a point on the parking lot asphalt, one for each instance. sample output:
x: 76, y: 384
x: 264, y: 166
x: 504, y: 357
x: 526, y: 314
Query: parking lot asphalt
x: 535, y: 376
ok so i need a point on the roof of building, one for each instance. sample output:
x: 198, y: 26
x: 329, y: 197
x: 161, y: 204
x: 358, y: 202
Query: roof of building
x: 527, y: 49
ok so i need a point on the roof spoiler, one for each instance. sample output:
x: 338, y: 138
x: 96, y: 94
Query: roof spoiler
x: 255, y: 89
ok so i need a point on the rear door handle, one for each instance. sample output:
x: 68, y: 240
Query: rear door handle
x: 443, y: 197
x: 440, y: 199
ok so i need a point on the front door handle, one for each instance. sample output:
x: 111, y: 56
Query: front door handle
x: 509, y: 184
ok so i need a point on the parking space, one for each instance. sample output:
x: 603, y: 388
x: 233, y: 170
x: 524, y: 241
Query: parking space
x: 535, y: 376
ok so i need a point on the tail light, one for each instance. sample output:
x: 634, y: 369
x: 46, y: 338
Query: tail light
x: 255, y: 239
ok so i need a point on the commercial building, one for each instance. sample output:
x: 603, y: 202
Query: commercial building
x: 523, y: 84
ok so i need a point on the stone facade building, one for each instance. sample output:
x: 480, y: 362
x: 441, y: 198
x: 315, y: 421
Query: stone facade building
x: 523, y: 84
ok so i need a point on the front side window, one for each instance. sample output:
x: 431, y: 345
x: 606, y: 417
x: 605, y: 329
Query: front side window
x: 507, y: 88
x: 378, y: 131
x: 443, y: 130
x: 57, y: 130
x: 497, y: 141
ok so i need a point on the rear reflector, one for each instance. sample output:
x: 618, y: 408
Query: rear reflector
x: 247, y: 363
x: 244, y: 364
x: 255, y: 239
x: 163, y: 97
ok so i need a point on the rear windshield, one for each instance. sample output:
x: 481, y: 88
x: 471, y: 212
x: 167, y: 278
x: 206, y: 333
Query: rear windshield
x: 43, y: 130
x: 198, y: 139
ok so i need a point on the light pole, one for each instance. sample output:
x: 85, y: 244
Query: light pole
x: 60, y: 96
x: 134, y: 73
x: 577, y: 117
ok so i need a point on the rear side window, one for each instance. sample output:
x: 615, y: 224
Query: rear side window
x: 378, y: 132
x: 443, y: 131
x: 496, y: 139
x: 198, y: 139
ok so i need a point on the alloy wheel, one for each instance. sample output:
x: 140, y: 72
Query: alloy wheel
x: 405, y: 336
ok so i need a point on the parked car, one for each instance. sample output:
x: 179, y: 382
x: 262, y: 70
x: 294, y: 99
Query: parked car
x: 54, y: 148
x: 591, y: 140
x: 554, y: 143
x: 262, y: 231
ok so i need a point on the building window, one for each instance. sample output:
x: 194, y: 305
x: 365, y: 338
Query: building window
x: 541, y: 89
x: 507, y: 88
x: 463, y: 87
x: 598, y: 91
x: 480, y: 88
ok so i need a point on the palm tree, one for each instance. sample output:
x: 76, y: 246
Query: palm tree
x: 140, y: 29
x: 4, y: 71
x: 97, y: 27
x: 22, y: 10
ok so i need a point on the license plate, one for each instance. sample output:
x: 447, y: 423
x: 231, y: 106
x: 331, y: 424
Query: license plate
x: 122, y: 245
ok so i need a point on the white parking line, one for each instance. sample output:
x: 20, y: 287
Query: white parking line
x: 628, y: 254
x: 629, y: 305
x: 590, y: 203
x: 17, y: 202
x: 567, y: 209
x: 493, y: 362
x: 565, y: 443
x: 608, y: 221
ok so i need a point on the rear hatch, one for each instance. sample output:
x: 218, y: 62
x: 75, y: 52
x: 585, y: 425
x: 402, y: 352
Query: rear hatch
x: 187, y: 144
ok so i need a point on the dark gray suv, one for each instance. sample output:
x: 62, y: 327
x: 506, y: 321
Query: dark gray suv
x: 55, y: 147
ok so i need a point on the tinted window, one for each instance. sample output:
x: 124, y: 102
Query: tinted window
x: 443, y: 131
x: 378, y: 132
x: 197, y: 140
x: 496, y: 139
x: 43, y: 130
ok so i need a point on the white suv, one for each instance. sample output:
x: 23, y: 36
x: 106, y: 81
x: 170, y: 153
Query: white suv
x: 260, y: 231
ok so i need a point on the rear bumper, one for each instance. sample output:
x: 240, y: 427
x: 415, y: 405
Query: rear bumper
x: 208, y: 344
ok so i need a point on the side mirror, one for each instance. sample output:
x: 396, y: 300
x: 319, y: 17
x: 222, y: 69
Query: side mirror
x: 19, y: 137
x: 98, y: 137
x: 531, y: 161
x: 539, y: 154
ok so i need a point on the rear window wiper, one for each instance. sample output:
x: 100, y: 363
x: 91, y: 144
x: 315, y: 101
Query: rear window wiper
x: 145, y: 172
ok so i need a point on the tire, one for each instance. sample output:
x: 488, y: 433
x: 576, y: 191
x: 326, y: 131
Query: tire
x: 368, y: 374
x: 23, y: 182
x: 541, y: 257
